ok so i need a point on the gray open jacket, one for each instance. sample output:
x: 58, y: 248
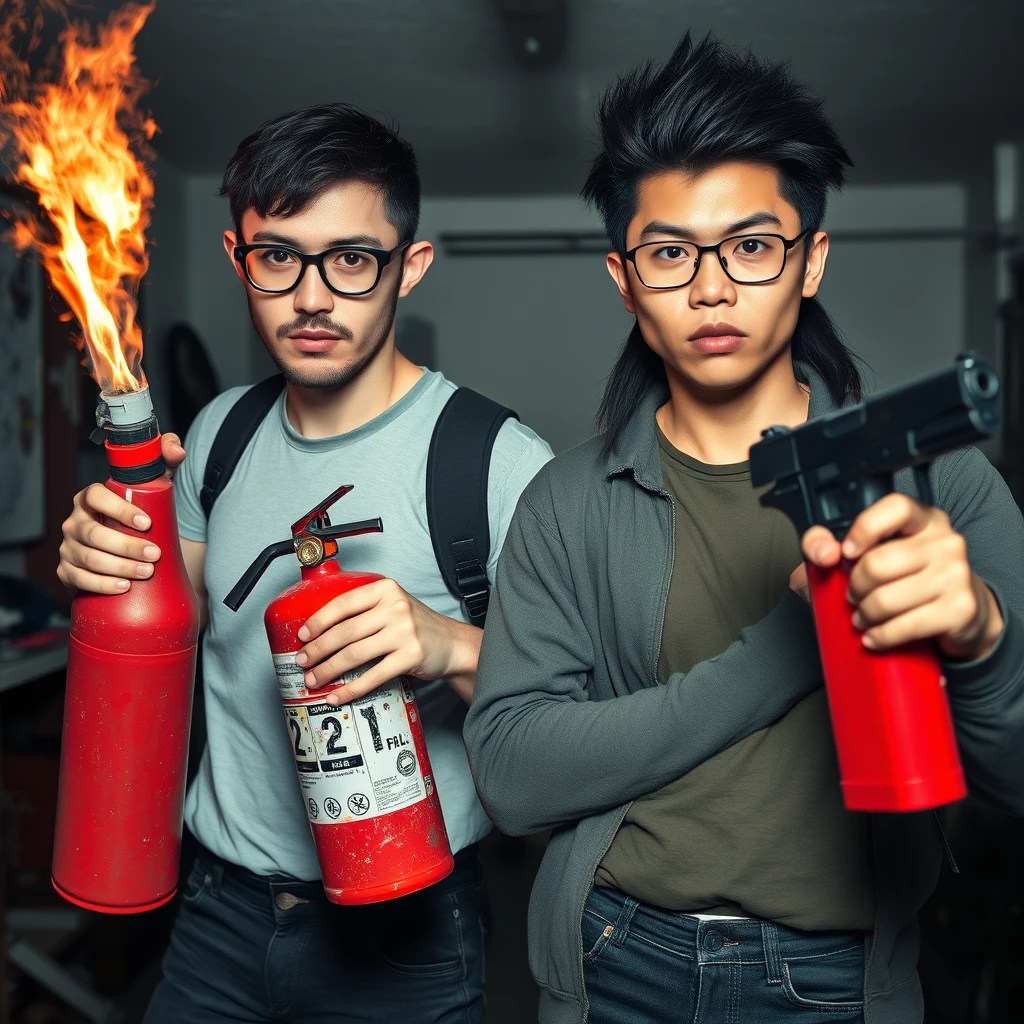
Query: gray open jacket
x: 569, y: 723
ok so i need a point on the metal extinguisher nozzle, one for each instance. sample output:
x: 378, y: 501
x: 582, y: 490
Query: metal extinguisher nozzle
x: 132, y: 407
x: 313, y: 541
x: 126, y: 426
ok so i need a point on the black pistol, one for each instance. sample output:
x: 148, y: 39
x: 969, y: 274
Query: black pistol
x: 830, y: 469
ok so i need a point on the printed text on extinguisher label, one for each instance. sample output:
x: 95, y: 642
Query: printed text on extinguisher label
x: 290, y: 677
x: 357, y: 760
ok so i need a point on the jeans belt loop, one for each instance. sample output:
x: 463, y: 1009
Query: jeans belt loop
x: 624, y: 920
x: 772, y: 953
x: 217, y: 879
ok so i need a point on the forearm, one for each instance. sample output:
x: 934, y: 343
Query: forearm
x: 204, y: 610
x: 986, y: 696
x: 543, y: 754
x: 193, y: 554
x: 987, y: 701
x: 464, y: 656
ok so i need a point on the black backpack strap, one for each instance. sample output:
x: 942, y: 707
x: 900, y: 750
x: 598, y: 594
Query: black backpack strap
x: 457, y: 468
x: 234, y: 436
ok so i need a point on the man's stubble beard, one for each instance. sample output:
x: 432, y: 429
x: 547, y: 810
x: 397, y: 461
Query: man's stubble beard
x: 378, y: 329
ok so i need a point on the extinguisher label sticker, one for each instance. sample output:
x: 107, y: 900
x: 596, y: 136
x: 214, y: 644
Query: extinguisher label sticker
x: 290, y: 677
x: 357, y: 760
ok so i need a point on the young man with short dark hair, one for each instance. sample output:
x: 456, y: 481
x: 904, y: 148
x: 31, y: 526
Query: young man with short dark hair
x: 326, y: 205
x: 650, y: 685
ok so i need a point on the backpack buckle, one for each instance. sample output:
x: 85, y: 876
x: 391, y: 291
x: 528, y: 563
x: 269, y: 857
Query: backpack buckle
x: 471, y: 579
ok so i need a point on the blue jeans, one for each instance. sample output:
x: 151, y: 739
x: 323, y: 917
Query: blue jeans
x: 247, y: 948
x: 642, y: 964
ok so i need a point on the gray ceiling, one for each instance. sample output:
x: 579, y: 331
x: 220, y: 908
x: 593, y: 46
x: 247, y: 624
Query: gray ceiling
x: 919, y: 89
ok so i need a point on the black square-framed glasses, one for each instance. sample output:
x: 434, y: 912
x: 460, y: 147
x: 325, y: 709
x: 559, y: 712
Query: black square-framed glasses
x: 746, y: 259
x: 348, y: 270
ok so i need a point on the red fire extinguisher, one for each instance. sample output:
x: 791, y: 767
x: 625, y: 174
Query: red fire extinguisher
x: 363, y: 768
x: 893, y: 729
x: 128, y: 704
x: 894, y: 733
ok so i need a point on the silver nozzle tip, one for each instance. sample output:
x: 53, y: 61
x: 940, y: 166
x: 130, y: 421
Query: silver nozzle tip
x: 129, y: 408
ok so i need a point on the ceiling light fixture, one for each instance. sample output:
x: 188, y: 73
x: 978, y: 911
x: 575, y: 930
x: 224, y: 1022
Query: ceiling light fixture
x: 536, y: 29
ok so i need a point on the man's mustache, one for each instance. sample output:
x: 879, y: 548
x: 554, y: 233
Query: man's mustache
x: 314, y: 323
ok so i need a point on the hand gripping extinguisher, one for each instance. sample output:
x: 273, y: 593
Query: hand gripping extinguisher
x: 363, y: 767
x: 890, y: 714
x: 128, y: 703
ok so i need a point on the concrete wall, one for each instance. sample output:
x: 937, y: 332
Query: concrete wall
x: 900, y: 302
x: 537, y: 333
x: 217, y: 309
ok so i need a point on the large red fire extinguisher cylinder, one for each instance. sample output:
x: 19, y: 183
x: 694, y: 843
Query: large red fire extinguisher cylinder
x: 890, y: 713
x: 127, y: 710
x: 363, y: 768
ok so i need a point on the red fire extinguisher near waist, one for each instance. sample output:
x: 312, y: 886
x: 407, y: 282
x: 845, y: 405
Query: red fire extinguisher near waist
x: 363, y: 767
x: 128, y: 704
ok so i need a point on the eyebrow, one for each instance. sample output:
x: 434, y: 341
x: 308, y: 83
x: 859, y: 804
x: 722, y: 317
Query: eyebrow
x: 368, y: 240
x: 660, y: 227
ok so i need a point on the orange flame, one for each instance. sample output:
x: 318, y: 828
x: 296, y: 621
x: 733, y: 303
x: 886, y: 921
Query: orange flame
x: 72, y: 128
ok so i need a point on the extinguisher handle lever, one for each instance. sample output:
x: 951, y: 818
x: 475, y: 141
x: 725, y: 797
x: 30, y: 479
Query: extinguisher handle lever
x: 302, y: 525
x: 328, y: 536
x: 250, y: 577
x: 347, y: 529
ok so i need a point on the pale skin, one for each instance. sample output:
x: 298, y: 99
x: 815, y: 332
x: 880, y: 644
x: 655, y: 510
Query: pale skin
x: 918, y: 585
x: 377, y: 620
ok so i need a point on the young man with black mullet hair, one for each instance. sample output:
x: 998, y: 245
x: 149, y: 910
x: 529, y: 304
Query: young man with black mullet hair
x: 650, y: 686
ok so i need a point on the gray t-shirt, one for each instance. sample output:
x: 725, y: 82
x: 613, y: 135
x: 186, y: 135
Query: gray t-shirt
x: 245, y: 804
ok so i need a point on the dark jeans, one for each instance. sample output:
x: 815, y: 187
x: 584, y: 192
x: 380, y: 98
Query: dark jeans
x: 642, y: 964
x: 247, y: 948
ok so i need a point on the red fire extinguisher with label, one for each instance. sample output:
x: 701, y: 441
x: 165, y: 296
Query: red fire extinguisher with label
x: 363, y: 767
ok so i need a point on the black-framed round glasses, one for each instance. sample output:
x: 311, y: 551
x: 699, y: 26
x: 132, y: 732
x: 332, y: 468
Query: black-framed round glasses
x: 345, y: 269
x: 746, y: 259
